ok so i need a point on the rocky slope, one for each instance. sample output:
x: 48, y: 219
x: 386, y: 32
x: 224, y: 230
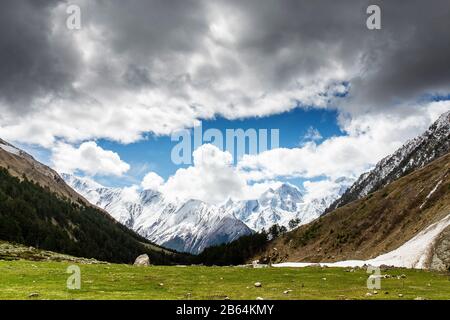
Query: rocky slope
x: 414, y: 154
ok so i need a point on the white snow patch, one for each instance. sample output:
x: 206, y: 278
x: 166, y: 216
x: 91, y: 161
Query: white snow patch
x: 412, y: 254
x: 431, y: 192
x: 10, y: 149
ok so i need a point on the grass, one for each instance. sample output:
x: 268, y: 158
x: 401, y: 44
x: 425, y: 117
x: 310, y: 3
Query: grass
x: 22, y: 279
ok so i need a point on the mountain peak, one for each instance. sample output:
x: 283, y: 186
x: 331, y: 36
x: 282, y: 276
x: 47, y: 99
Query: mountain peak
x: 443, y: 120
x: 289, y: 192
x: 287, y: 187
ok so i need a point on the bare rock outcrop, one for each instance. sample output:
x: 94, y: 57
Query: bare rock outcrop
x: 142, y: 260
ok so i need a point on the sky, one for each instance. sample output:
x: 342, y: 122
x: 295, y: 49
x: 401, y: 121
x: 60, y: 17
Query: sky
x: 154, y: 153
x: 103, y: 101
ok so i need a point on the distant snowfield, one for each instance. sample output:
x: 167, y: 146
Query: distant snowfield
x: 412, y: 254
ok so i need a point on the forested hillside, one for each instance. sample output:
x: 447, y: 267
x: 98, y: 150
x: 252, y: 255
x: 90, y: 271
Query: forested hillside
x: 236, y: 252
x: 34, y: 216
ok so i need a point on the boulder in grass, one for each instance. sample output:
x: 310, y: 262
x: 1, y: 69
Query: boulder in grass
x: 142, y: 260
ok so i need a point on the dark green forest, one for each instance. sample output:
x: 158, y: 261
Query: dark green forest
x: 236, y: 252
x: 34, y: 216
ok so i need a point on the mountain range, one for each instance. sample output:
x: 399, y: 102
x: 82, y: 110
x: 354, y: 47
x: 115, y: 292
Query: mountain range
x: 193, y: 225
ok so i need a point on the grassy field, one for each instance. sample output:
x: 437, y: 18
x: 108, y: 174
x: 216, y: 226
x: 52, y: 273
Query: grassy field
x: 47, y: 280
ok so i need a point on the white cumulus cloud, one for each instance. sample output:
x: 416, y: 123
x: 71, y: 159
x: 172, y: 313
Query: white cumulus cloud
x: 212, y: 178
x: 88, y: 158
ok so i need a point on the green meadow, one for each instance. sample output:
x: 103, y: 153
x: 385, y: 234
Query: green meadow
x: 21, y: 279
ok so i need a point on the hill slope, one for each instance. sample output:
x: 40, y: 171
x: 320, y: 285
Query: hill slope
x: 376, y: 224
x: 20, y: 163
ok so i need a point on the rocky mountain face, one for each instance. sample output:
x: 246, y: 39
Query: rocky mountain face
x: 414, y: 154
x: 193, y: 225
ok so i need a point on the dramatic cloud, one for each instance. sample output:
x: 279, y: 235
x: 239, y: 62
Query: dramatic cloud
x: 321, y: 189
x: 154, y: 66
x: 89, y: 159
x: 35, y: 62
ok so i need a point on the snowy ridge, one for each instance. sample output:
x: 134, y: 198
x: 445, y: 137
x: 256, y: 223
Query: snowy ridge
x: 281, y: 205
x: 414, y: 154
x: 10, y: 148
x: 194, y: 225
x: 191, y: 226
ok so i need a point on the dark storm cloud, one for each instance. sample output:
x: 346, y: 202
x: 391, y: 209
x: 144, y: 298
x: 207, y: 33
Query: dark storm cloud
x: 409, y: 57
x: 415, y: 59
x: 36, y: 62
x: 280, y: 41
x: 32, y: 62
x: 148, y: 33
x: 137, y: 77
x: 149, y: 28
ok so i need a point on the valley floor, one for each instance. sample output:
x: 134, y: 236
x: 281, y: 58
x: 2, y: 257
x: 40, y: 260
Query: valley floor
x: 22, y: 279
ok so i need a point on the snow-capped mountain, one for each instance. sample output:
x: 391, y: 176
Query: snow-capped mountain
x: 414, y: 154
x: 281, y: 205
x: 193, y: 225
x: 189, y: 226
